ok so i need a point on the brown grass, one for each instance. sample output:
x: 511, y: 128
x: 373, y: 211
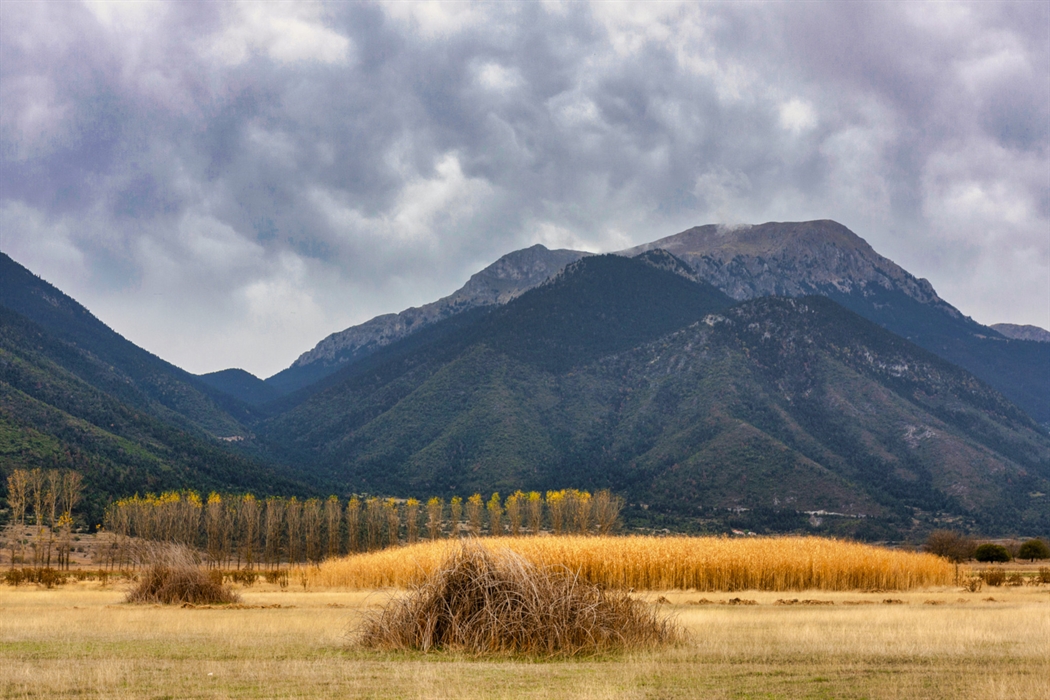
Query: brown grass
x: 484, y: 602
x: 667, y: 563
x: 175, y: 577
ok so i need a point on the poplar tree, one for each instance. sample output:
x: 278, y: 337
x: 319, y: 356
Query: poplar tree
x: 434, y: 513
x: 353, y: 525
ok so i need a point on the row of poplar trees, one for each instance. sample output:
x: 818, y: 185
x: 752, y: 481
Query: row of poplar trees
x: 47, y: 497
x: 243, y: 531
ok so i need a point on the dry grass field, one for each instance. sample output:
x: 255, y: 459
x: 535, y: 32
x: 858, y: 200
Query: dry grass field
x: 82, y: 641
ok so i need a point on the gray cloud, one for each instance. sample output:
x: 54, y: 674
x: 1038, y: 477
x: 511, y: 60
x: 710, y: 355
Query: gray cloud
x: 225, y: 184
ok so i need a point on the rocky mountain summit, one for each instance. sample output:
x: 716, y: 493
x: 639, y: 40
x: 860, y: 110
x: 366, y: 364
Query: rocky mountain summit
x: 503, y: 280
x: 790, y: 259
x: 1018, y: 332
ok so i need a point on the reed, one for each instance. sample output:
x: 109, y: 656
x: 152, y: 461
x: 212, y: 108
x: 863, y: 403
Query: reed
x: 665, y: 563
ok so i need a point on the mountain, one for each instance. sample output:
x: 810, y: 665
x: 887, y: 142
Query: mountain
x: 826, y: 258
x: 61, y: 406
x: 163, y: 390
x: 497, y: 284
x: 241, y: 385
x: 625, y: 373
x: 1012, y: 330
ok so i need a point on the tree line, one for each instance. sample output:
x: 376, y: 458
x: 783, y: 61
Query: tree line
x: 47, y: 497
x: 244, y: 531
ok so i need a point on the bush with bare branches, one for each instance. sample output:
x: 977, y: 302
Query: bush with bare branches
x: 175, y: 576
x: 481, y: 602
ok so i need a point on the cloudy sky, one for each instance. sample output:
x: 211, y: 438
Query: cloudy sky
x: 227, y: 183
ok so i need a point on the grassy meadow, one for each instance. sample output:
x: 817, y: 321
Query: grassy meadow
x: 82, y: 641
x: 839, y: 637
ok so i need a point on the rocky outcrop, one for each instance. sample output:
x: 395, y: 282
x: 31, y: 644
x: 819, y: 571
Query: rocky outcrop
x: 790, y: 259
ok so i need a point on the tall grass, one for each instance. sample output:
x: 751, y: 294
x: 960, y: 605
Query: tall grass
x: 666, y: 563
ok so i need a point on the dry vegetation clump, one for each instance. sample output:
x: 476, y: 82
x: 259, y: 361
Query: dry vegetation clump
x: 174, y: 577
x: 496, y: 602
x: 669, y: 563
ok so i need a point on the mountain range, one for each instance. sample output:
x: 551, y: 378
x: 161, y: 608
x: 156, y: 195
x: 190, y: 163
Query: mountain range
x: 781, y: 377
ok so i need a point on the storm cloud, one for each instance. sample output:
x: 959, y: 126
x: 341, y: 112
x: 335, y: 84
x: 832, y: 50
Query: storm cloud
x: 227, y: 183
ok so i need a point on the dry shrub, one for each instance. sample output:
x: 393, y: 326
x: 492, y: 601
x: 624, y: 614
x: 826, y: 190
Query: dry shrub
x: 993, y: 577
x: 174, y: 577
x: 484, y: 602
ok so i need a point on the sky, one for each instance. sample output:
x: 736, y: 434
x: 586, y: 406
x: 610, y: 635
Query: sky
x: 225, y: 184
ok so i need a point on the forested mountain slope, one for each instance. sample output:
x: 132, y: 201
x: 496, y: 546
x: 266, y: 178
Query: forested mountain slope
x: 626, y: 374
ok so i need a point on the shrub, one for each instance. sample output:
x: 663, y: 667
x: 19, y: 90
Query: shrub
x: 989, y: 552
x: 483, y: 602
x: 1034, y: 549
x: 174, y: 576
x: 993, y: 577
x: 1043, y: 576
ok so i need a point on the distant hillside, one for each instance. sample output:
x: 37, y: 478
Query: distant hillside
x: 63, y: 407
x: 241, y: 385
x: 1012, y: 330
x: 623, y: 373
x: 162, y: 387
x: 826, y: 258
x: 497, y: 284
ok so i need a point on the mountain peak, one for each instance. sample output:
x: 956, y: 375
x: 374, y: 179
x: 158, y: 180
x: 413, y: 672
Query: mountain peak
x: 504, y: 280
x: 790, y: 258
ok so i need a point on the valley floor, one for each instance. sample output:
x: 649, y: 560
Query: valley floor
x: 81, y: 641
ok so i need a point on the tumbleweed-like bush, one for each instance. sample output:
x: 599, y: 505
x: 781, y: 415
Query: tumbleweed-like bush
x: 496, y: 602
x: 174, y: 577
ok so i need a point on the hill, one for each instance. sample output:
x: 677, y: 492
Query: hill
x: 62, y: 407
x: 625, y: 373
x: 163, y: 389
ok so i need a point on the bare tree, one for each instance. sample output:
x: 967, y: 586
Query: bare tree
x: 293, y: 516
x: 353, y: 525
x: 607, y: 511
x: 312, y: 529
x: 412, y: 520
x: 37, y: 486
x: 250, y: 520
x: 374, y: 520
x: 434, y: 513
x: 274, y: 525
x: 535, y: 505
x: 455, y: 516
x: 18, y: 496
x: 333, y: 517
x: 513, y: 507
x: 474, y: 508
x: 213, y: 516
x: 556, y: 508
x: 393, y: 522
x: 495, y: 516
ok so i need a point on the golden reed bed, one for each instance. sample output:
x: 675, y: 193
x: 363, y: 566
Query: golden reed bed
x: 665, y: 563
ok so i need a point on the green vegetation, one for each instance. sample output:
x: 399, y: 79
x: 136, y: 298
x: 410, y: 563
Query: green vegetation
x: 989, y: 552
x: 1034, y: 549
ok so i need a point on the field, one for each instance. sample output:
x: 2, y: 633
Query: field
x: 81, y: 641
